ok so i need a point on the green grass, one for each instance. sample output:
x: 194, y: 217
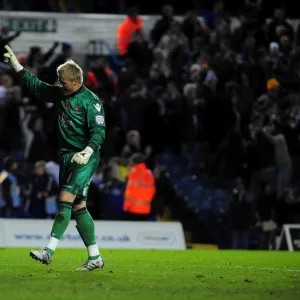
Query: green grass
x: 143, y: 274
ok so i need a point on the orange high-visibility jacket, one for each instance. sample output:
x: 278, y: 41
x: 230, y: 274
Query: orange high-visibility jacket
x: 140, y: 190
x: 125, y: 31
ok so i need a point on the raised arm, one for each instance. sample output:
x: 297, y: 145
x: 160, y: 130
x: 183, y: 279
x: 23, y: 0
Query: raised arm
x: 38, y: 88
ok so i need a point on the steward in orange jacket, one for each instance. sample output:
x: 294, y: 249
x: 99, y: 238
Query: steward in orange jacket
x: 140, y: 190
x: 129, y: 30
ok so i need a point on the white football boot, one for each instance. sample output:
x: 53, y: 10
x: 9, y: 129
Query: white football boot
x: 42, y: 256
x: 91, y: 265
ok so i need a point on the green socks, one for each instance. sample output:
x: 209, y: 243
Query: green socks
x: 61, y: 222
x: 86, y: 229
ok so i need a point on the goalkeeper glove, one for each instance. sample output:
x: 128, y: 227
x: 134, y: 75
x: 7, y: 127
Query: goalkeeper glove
x: 82, y: 158
x: 11, y: 59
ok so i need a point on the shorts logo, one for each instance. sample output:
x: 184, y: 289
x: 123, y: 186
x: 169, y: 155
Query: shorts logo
x: 100, y: 120
x: 84, y: 192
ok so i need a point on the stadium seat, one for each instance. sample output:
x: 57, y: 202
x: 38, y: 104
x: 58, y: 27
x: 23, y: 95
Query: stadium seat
x: 205, y: 201
x: 18, y: 154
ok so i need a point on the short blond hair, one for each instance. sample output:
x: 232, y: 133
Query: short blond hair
x: 72, y: 71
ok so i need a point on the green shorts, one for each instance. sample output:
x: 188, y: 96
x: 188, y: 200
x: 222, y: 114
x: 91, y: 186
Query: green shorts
x: 74, y: 178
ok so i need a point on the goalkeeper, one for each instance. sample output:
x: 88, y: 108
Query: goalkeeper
x: 81, y: 131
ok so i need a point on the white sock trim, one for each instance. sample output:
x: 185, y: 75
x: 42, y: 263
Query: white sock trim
x: 53, y: 242
x: 93, y: 250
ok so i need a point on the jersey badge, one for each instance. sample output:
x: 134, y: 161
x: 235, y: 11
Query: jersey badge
x: 99, y: 119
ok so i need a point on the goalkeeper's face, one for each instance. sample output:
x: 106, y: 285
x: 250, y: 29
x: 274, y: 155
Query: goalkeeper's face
x: 68, y: 86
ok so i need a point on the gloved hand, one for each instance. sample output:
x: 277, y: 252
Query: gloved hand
x: 82, y: 158
x: 11, y: 59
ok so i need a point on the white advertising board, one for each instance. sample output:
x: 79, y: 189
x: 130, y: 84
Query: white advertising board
x: 109, y: 234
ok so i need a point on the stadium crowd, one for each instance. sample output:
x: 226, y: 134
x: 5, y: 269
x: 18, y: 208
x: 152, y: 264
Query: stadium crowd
x: 191, y: 85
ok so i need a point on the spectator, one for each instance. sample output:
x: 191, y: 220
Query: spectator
x: 192, y: 27
x: 36, y: 141
x: 172, y: 46
x: 130, y: 30
x: 111, y: 189
x: 287, y: 209
x: 42, y: 193
x: 266, y: 161
x: 240, y: 217
x: 36, y: 59
x: 102, y: 80
x: 162, y: 25
x: 11, y: 132
x: 140, y: 190
x: 52, y: 169
x: 10, y: 201
x: 66, y: 53
x: 279, y: 26
x: 283, y: 160
x: 266, y: 205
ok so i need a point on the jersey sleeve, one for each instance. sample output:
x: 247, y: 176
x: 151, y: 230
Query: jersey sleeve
x: 96, y: 123
x: 40, y: 89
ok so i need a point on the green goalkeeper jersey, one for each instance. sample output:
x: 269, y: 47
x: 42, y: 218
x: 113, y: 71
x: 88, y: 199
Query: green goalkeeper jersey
x: 80, y: 115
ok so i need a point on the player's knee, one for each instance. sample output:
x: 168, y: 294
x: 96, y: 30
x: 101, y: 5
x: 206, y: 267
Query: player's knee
x: 78, y: 205
x: 67, y: 197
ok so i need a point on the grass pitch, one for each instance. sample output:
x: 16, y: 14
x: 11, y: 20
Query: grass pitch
x: 158, y: 275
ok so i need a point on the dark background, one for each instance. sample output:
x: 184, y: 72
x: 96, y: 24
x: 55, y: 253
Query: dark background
x: 180, y: 7
x: 151, y: 7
